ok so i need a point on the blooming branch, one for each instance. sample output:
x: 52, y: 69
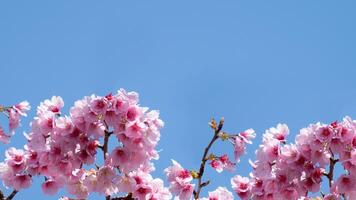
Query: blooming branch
x: 205, y: 157
x: 59, y: 146
x: 181, y: 179
x: 13, y: 113
x: 63, y: 150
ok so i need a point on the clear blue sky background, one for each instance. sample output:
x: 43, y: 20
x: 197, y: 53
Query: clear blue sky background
x: 256, y: 63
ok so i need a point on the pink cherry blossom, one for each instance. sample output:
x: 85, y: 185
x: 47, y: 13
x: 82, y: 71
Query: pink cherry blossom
x: 4, y: 138
x: 239, y: 147
x: 240, y: 141
x: 15, y: 159
x: 345, y: 184
x: 241, y: 186
x: 180, y: 181
x: 279, y: 132
x: 60, y: 146
x: 21, y: 181
x: 221, y: 163
x: 98, y: 105
x: 14, y: 120
x: 221, y: 193
x: 51, y: 186
x: 106, y: 178
x: 22, y: 108
x: 248, y: 135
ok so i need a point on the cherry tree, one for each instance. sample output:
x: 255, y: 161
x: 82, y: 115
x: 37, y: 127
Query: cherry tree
x: 72, y: 152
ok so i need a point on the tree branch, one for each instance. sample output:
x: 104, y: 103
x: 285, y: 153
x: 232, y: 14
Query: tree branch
x: 106, y: 143
x: 2, y: 197
x: 128, y: 197
x: 330, y: 174
x: 105, y: 151
x: 204, y: 158
x: 13, y: 193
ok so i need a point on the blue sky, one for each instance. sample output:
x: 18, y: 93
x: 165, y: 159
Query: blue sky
x: 257, y: 63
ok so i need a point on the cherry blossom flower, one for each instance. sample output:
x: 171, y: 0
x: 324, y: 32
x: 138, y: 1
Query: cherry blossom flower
x: 180, y: 181
x: 248, y: 135
x: 241, y: 186
x: 4, y: 138
x: 221, y: 163
x: 221, y: 193
x: 22, y: 108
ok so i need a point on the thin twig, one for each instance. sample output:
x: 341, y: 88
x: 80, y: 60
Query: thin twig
x: 204, y: 159
x: 330, y: 174
x: 13, y: 193
x: 106, y: 143
x: 105, y: 151
x: 128, y: 197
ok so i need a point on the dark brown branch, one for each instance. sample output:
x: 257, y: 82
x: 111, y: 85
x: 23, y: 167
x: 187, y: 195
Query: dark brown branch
x: 205, y: 158
x: 330, y: 174
x: 123, y: 198
x: 106, y: 143
x: 105, y: 151
x: 128, y: 197
x: 13, y: 193
x: 76, y: 199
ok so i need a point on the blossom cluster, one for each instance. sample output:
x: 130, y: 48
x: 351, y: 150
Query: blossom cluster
x: 64, y: 148
x: 292, y: 171
x: 181, y: 185
x: 181, y: 179
x: 221, y: 193
x: 13, y: 113
x: 239, y: 141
